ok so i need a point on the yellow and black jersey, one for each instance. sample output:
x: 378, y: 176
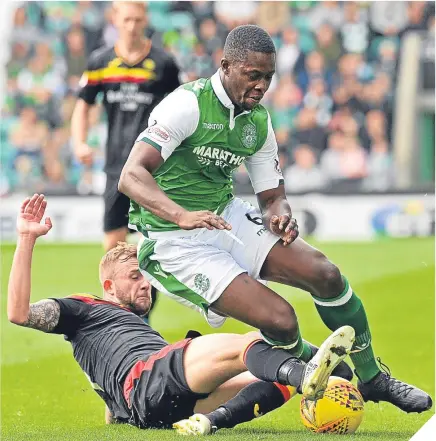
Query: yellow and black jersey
x: 130, y: 92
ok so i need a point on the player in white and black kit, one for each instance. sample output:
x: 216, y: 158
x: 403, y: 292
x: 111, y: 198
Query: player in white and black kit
x: 145, y: 381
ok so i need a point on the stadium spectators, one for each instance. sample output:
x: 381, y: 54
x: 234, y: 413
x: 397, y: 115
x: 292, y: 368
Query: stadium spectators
x: 328, y: 12
x: 328, y: 45
x: 354, y: 29
x: 331, y: 101
x: 289, y: 53
x: 75, y: 57
x: 344, y: 158
x: 272, y: 16
x: 233, y: 14
x: 309, y: 130
x: 29, y: 138
x: 305, y: 174
x: 314, y: 68
x: 22, y: 30
x: 388, y: 18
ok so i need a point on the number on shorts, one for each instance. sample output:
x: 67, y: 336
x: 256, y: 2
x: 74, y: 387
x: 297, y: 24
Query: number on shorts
x: 256, y: 220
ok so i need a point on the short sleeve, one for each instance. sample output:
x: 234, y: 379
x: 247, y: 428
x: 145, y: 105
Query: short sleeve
x: 72, y: 313
x: 174, y: 119
x: 90, y: 83
x: 264, y: 167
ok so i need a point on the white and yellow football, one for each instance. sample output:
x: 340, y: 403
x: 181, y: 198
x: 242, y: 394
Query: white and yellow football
x: 340, y: 411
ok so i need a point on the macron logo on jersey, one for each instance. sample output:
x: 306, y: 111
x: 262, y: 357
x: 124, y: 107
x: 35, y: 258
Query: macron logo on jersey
x: 213, y: 126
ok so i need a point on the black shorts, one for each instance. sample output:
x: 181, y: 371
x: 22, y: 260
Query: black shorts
x: 116, y: 206
x: 156, y: 390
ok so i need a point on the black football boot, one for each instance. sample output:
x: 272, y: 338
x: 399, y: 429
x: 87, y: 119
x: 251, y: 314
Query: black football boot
x: 384, y: 387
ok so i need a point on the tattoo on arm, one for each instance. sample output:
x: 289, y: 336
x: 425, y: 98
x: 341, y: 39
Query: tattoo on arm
x: 43, y: 315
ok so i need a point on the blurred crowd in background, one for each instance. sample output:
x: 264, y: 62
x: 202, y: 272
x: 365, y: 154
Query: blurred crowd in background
x: 331, y: 101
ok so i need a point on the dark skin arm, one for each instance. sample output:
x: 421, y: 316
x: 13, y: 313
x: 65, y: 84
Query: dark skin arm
x: 277, y: 214
x: 137, y: 183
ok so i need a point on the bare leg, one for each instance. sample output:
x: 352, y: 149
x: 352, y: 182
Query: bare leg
x: 304, y: 267
x: 238, y: 400
x: 224, y: 393
x: 211, y: 360
x: 219, y: 360
x: 251, y: 302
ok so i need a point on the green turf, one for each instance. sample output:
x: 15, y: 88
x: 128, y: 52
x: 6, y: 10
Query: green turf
x: 45, y: 396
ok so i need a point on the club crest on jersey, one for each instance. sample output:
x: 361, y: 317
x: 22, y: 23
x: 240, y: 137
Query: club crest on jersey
x: 149, y: 64
x: 201, y: 282
x: 249, y: 136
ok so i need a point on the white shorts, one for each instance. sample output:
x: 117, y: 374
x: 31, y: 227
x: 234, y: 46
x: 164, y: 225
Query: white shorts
x: 195, y: 267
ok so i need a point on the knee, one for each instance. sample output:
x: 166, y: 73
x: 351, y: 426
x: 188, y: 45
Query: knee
x: 328, y: 281
x: 283, y: 324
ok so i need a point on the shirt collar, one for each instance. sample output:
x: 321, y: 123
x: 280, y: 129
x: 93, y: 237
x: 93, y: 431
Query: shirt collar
x: 220, y: 92
x: 218, y: 88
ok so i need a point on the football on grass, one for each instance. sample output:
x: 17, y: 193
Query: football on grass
x: 340, y: 411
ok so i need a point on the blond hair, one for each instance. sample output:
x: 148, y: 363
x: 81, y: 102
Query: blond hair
x: 116, y: 4
x: 121, y: 253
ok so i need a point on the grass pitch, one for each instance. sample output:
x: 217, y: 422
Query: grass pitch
x: 45, y: 395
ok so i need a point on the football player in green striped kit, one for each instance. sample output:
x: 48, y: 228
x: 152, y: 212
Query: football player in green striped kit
x: 212, y: 251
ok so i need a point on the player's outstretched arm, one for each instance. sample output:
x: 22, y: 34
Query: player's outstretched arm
x: 43, y: 315
x: 277, y: 214
x: 136, y: 182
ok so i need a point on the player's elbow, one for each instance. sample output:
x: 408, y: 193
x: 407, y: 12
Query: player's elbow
x: 124, y: 180
x: 16, y: 319
x: 121, y: 184
x: 128, y: 178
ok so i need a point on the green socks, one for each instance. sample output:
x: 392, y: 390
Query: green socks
x: 347, y: 309
x: 298, y: 348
